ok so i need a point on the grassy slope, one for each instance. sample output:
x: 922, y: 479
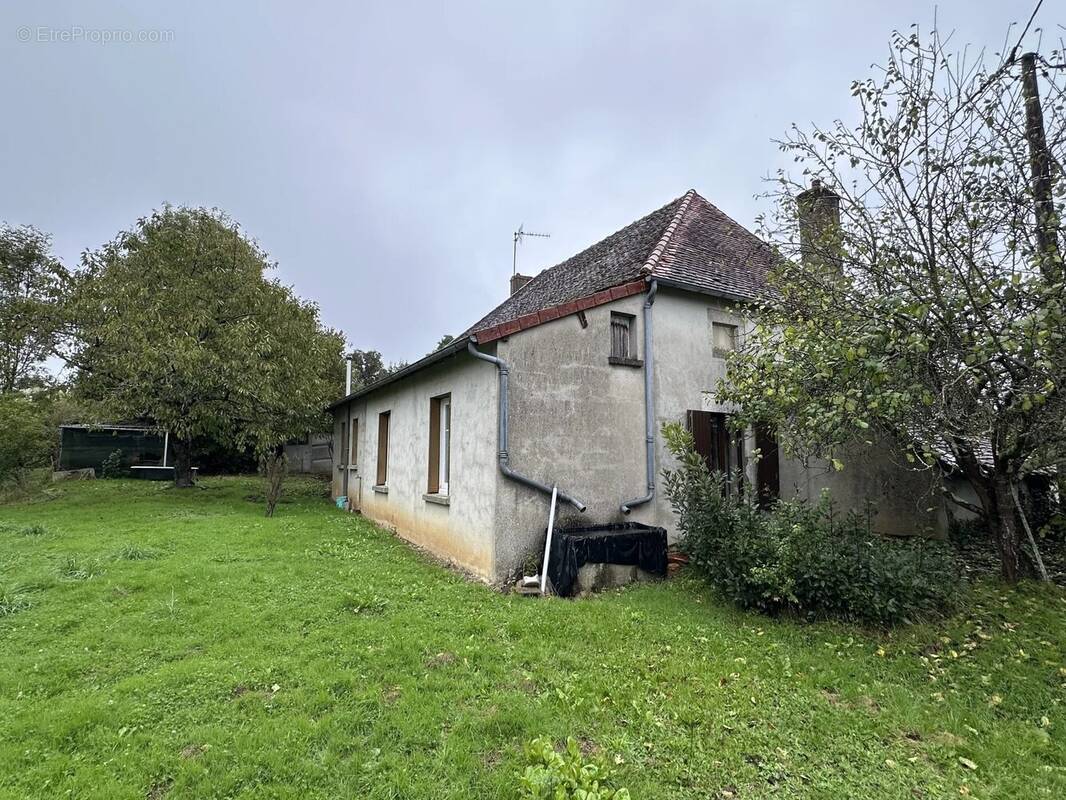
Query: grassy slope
x: 397, y: 679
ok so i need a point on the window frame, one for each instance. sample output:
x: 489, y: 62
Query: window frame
x: 628, y: 358
x: 734, y: 333
x: 381, y: 478
x: 353, y: 443
x: 438, y: 483
x: 721, y: 449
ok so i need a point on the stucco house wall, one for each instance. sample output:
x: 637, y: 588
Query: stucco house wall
x: 461, y: 530
x: 576, y: 421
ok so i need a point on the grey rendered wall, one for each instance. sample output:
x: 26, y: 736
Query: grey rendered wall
x: 575, y: 421
x: 686, y: 376
x: 907, y: 501
x: 686, y: 373
x: 462, y: 530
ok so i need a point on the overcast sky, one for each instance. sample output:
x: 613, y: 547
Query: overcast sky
x: 383, y: 153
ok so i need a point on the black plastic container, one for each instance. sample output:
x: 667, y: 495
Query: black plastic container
x: 626, y: 543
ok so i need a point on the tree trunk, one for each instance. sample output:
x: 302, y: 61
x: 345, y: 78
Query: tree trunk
x: 1007, y: 533
x: 182, y: 450
x: 994, y: 491
x: 274, y: 468
x: 1004, y: 526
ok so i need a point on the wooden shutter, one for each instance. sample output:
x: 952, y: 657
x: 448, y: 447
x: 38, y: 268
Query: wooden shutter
x: 768, y: 471
x: 721, y: 450
x: 383, y: 448
x: 344, y: 444
x: 434, y: 446
x: 701, y: 423
x: 620, y: 335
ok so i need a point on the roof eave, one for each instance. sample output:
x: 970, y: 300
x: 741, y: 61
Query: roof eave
x: 451, y: 349
x: 673, y: 283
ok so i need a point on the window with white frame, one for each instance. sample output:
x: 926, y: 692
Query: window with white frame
x: 440, y: 444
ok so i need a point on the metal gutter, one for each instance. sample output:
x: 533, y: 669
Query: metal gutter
x: 649, y: 403
x: 671, y: 283
x: 503, y: 456
x: 451, y: 349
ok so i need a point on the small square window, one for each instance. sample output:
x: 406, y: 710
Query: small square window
x: 622, y: 336
x: 724, y: 339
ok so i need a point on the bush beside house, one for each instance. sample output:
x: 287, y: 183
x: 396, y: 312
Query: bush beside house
x: 805, y: 558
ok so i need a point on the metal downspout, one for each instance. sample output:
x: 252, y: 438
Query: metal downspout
x: 503, y: 456
x: 649, y: 404
x: 347, y: 432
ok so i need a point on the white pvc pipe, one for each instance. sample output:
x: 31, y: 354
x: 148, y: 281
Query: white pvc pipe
x: 348, y: 378
x: 166, y: 445
x: 548, y: 542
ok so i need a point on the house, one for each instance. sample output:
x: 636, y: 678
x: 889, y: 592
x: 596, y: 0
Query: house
x: 566, y: 384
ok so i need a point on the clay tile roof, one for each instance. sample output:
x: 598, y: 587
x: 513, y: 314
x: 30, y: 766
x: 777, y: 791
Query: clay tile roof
x: 687, y: 242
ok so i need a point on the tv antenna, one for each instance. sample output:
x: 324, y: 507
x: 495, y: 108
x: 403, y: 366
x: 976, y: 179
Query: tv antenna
x: 518, y: 236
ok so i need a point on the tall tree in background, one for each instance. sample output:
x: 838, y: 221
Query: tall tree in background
x: 178, y: 325
x: 301, y: 368
x: 444, y: 341
x: 367, y: 367
x: 31, y: 283
x: 934, y: 315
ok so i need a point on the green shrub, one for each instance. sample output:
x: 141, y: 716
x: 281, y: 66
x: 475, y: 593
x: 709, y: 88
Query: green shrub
x: 111, y: 467
x: 802, y: 557
x: 552, y: 775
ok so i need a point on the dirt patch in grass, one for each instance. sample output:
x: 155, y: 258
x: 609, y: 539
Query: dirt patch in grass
x: 159, y: 789
x: 440, y: 660
x: 193, y: 751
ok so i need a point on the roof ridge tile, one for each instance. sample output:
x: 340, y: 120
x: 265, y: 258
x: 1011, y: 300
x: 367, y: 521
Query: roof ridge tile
x: 660, y: 246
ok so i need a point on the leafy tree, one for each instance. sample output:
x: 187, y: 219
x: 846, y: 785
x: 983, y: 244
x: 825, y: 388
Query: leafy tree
x: 179, y: 326
x: 301, y: 370
x: 31, y: 281
x: 933, y: 315
x: 367, y: 367
x: 444, y: 341
x: 24, y: 436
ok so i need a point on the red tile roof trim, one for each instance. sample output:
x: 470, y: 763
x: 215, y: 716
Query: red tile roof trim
x: 660, y: 248
x: 491, y: 334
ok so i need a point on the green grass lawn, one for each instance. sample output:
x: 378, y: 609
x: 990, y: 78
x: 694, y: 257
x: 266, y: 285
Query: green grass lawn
x: 156, y: 643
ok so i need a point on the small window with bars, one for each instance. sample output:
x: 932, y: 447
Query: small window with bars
x: 623, y: 350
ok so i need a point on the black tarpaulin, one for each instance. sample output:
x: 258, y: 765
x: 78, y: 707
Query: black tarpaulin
x: 626, y: 543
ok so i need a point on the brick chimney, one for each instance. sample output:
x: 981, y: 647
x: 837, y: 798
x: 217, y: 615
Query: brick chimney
x: 518, y: 281
x: 818, y: 209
